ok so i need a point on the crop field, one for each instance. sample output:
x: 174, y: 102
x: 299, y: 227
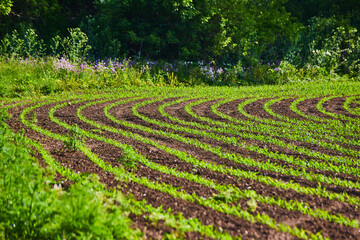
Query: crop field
x: 268, y: 162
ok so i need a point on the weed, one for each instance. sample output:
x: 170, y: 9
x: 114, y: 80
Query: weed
x: 252, y: 205
x: 226, y: 196
x: 128, y: 163
x: 74, y: 139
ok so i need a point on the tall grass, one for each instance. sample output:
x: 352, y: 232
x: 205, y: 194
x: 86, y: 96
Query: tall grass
x: 43, y: 76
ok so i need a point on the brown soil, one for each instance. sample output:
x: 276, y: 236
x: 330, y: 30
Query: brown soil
x: 336, y: 105
x: 235, y: 226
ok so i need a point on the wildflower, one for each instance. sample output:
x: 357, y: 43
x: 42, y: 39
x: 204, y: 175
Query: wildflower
x: 64, y: 64
x: 220, y: 71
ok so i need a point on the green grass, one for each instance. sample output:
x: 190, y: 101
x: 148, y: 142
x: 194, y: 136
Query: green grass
x: 32, y: 207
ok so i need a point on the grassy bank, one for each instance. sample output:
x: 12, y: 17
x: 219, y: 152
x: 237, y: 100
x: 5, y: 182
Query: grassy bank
x: 32, y: 207
x: 45, y: 76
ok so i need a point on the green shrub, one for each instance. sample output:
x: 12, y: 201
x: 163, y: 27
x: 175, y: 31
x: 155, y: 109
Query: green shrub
x: 31, y: 209
x: 27, y: 45
x: 75, y: 46
x: 74, y: 139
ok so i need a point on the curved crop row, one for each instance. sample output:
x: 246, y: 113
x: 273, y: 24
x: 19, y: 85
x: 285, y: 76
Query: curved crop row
x: 235, y: 156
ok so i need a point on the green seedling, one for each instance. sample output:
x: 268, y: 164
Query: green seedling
x: 128, y: 163
x: 4, y: 115
x: 74, y: 139
x: 226, y: 196
x: 96, y: 130
x: 34, y: 118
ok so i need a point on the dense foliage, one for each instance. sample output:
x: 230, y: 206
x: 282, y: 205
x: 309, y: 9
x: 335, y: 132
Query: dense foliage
x: 299, y: 36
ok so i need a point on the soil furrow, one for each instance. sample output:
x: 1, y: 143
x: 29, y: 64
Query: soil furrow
x: 336, y: 105
x: 243, y: 152
x: 78, y: 162
x: 201, y: 154
x: 81, y: 164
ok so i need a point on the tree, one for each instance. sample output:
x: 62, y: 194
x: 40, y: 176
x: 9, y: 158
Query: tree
x: 42, y: 15
x: 5, y: 7
x: 189, y: 29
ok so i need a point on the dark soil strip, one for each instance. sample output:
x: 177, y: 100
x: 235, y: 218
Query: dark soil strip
x: 283, y: 108
x: 355, y: 104
x: 243, y: 183
x: 336, y: 105
x: 204, y: 110
x: 187, y: 209
x: 274, y: 211
x: 180, y: 113
x: 256, y: 109
x: 308, y: 106
x: 229, y: 109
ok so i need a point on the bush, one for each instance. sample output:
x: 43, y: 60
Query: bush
x: 328, y: 44
x: 15, y: 45
x: 31, y: 209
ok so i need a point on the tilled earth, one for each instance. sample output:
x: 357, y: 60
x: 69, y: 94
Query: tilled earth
x: 234, y: 225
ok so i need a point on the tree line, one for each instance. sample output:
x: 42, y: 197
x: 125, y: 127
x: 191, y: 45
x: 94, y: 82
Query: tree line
x: 301, y: 32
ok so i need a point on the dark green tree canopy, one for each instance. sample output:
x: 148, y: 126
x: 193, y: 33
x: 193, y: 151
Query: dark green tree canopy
x: 5, y: 7
x: 219, y: 30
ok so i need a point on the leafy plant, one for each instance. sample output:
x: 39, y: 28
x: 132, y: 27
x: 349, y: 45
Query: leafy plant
x: 75, y: 46
x: 34, y: 118
x: 74, y: 139
x: 127, y: 162
x: 5, y: 7
x: 29, y: 206
x: 28, y: 45
x: 227, y: 196
x: 4, y: 114
x: 252, y: 205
